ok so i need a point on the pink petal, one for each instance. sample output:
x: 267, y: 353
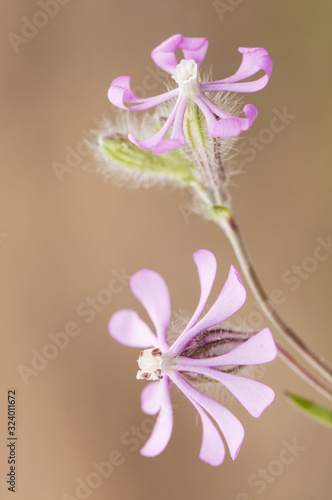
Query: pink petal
x: 164, y: 54
x: 177, y: 138
x: 177, y: 130
x: 206, y: 264
x: 259, y: 349
x: 162, y: 430
x: 231, y: 298
x: 151, y: 398
x: 207, y: 267
x: 120, y: 92
x: 129, y: 329
x: 229, y: 425
x: 253, y: 60
x: 193, y: 48
x: 228, y: 126
x: 151, y: 290
x: 212, y: 447
x: 253, y: 395
x: 153, y: 141
x: 157, y: 141
x: 167, y: 145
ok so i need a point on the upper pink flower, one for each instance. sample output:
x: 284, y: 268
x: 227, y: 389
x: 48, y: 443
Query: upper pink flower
x: 185, y: 74
x: 163, y: 364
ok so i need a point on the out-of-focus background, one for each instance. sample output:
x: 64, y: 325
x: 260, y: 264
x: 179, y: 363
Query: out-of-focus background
x: 66, y: 237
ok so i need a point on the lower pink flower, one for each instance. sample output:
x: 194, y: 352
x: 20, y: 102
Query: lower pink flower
x: 164, y: 364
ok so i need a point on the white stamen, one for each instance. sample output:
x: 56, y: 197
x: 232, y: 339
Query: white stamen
x: 149, y: 363
x: 154, y: 364
x: 185, y: 75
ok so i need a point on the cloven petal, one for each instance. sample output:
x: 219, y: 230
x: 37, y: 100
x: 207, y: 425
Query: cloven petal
x: 151, y: 290
x: 231, y: 298
x: 212, y: 447
x: 229, y: 425
x: 156, y: 141
x: 177, y: 138
x: 129, y: 329
x: 228, y: 125
x: 253, y: 395
x: 151, y: 398
x: 162, y: 430
x: 120, y: 92
x: 253, y: 60
x: 206, y: 264
x: 193, y: 48
x: 207, y: 267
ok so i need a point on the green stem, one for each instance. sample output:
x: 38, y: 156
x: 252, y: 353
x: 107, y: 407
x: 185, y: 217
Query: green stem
x: 231, y: 230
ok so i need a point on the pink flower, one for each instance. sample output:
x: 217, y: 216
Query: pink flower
x: 190, y: 88
x: 164, y: 364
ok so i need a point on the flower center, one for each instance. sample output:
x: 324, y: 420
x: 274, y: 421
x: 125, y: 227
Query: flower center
x: 149, y: 362
x: 185, y: 75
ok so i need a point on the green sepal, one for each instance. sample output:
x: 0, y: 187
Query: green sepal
x: 220, y: 210
x: 313, y: 410
x: 195, y: 128
x: 172, y: 164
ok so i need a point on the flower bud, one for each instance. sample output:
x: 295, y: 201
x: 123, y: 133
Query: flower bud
x: 120, y: 152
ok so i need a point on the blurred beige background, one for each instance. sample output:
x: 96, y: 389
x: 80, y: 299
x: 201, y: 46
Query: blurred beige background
x: 62, y: 242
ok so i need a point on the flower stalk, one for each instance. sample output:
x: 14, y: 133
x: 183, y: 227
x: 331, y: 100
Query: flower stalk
x: 230, y: 228
x: 304, y: 373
